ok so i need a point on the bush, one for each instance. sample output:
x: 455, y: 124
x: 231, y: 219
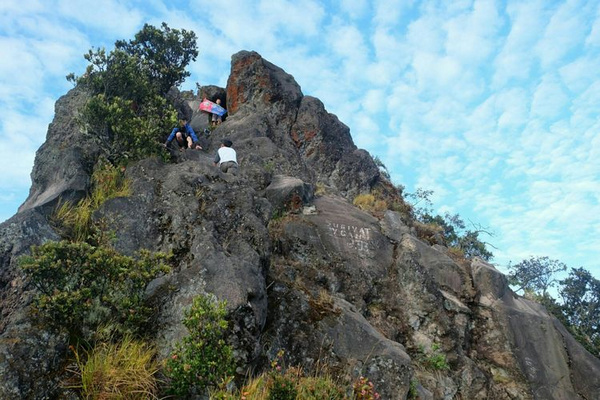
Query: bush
x: 202, y: 359
x: 290, y: 383
x: 83, y: 288
x: 283, y: 387
x: 126, y: 370
x: 435, y: 359
x: 320, y: 387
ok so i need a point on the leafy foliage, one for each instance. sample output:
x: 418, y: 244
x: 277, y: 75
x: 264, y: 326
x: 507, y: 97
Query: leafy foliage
x: 131, y: 132
x: 412, y: 390
x: 283, y: 387
x: 84, y: 288
x: 319, y: 387
x: 125, y: 370
x: 580, y: 293
x: 434, y: 359
x: 163, y: 54
x: 382, y: 168
x: 420, y: 201
x: 455, y: 234
x: 535, y: 274
x: 128, y: 111
x: 202, y: 359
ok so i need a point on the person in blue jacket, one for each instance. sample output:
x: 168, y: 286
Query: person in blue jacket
x: 185, y: 136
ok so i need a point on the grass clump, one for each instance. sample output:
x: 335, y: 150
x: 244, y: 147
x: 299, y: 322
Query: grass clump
x: 202, y: 359
x: 75, y: 221
x: 429, y: 232
x: 368, y: 202
x: 320, y: 189
x: 125, y: 370
x: 281, y: 383
x: 320, y: 387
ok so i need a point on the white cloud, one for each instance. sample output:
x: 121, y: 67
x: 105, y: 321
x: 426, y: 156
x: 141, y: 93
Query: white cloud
x: 387, y: 13
x: 355, y: 9
x: 580, y: 73
x: 515, y: 60
x: 549, y: 99
x: 111, y: 16
x: 18, y: 7
x: 472, y: 36
x: 565, y: 31
x: 302, y: 18
x: 425, y: 34
x: 593, y: 39
x: 372, y: 101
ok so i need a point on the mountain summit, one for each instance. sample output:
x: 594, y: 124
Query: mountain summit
x: 302, y: 269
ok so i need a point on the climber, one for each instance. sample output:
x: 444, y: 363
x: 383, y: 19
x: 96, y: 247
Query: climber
x: 216, y: 118
x: 185, y: 136
x: 226, y: 157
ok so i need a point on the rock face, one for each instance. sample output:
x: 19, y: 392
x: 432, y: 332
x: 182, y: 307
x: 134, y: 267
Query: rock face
x: 301, y: 268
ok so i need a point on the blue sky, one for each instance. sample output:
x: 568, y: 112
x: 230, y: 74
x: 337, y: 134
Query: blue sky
x: 493, y: 105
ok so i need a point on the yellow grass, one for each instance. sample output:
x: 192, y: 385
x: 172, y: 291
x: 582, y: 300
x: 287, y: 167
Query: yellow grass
x: 125, y: 370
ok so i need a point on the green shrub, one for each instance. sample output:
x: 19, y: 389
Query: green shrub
x: 202, y: 359
x: 320, y: 387
x: 283, y: 387
x: 83, y: 288
x: 125, y: 370
x: 133, y: 135
x: 412, y: 390
x: 434, y: 359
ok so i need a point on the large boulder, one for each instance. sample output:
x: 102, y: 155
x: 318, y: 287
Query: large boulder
x: 30, y: 357
x: 521, y: 338
x: 64, y: 163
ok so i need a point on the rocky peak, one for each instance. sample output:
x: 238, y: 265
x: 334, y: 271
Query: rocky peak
x: 303, y: 272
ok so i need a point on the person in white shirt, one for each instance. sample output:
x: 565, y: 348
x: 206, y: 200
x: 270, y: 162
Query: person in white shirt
x: 226, y: 157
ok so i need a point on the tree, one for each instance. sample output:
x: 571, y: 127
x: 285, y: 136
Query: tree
x: 580, y: 293
x: 535, y: 274
x: 421, y: 203
x: 162, y: 54
x: 382, y: 168
x: 128, y: 111
x: 456, y: 235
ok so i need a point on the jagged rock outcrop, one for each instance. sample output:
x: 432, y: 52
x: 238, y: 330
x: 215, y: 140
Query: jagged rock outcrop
x: 64, y: 162
x: 301, y: 268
